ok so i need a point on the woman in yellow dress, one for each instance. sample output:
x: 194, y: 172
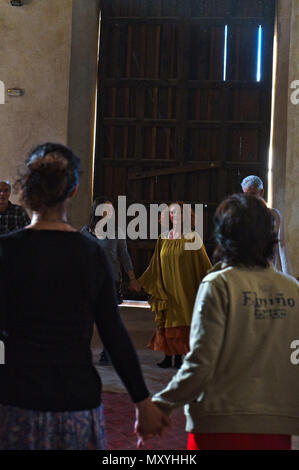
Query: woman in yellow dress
x: 172, y: 280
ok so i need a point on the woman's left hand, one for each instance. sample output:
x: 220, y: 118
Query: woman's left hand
x: 150, y: 421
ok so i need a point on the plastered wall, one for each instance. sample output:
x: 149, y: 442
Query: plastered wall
x: 286, y: 130
x: 35, y: 49
x: 291, y: 203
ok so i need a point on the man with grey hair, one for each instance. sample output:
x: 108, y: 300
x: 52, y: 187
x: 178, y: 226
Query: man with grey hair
x: 253, y: 185
x: 12, y: 216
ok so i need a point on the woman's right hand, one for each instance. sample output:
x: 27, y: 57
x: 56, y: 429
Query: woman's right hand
x: 150, y: 421
x: 134, y: 285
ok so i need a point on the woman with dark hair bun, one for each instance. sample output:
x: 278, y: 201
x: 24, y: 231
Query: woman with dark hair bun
x: 51, y: 175
x: 55, y: 283
x: 239, y: 381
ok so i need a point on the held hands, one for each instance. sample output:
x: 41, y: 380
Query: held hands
x: 134, y: 285
x: 150, y: 421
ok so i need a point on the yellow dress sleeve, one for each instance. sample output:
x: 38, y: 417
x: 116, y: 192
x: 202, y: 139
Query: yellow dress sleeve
x: 152, y: 282
x: 202, y: 263
x: 198, y: 259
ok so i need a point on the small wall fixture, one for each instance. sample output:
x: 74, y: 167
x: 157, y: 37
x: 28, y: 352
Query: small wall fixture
x: 15, y: 92
x: 16, y: 3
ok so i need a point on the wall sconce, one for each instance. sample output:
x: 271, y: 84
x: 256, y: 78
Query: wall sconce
x: 16, y: 3
x: 15, y: 92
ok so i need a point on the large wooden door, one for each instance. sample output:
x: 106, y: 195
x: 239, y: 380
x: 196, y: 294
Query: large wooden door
x: 184, y: 102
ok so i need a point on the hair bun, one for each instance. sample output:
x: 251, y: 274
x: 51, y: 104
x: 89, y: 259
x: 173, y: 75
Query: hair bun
x: 52, y: 172
x: 51, y: 162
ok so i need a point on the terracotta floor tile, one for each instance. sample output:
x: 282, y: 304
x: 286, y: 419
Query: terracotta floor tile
x: 119, y: 417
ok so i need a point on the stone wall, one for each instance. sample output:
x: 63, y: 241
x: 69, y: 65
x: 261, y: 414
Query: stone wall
x: 291, y: 203
x: 286, y: 117
x: 83, y: 86
x: 35, y: 55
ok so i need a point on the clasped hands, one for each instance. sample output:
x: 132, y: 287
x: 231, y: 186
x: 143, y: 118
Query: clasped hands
x: 150, y: 421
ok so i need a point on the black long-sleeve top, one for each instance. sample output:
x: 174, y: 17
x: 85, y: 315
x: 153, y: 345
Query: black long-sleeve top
x: 53, y: 286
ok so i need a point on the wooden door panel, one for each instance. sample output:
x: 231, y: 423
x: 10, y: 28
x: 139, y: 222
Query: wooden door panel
x: 209, y: 8
x: 254, y: 8
x: 204, y: 104
x: 242, y: 50
x: 166, y: 102
x: 243, y: 144
x: 203, y: 144
x: 206, y: 52
x: 245, y: 105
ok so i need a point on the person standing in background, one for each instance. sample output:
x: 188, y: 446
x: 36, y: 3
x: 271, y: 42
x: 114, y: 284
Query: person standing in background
x: 253, y: 185
x: 172, y: 279
x: 116, y: 251
x: 12, y: 216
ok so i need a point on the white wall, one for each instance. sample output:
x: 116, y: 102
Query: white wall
x: 35, y: 49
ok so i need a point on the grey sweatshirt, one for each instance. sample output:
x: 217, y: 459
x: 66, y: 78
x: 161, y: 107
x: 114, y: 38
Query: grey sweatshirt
x: 238, y: 376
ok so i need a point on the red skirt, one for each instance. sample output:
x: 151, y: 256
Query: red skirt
x: 229, y: 441
x: 173, y: 340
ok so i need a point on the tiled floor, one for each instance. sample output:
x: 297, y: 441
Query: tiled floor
x: 119, y: 411
x: 120, y: 416
x: 118, y: 408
